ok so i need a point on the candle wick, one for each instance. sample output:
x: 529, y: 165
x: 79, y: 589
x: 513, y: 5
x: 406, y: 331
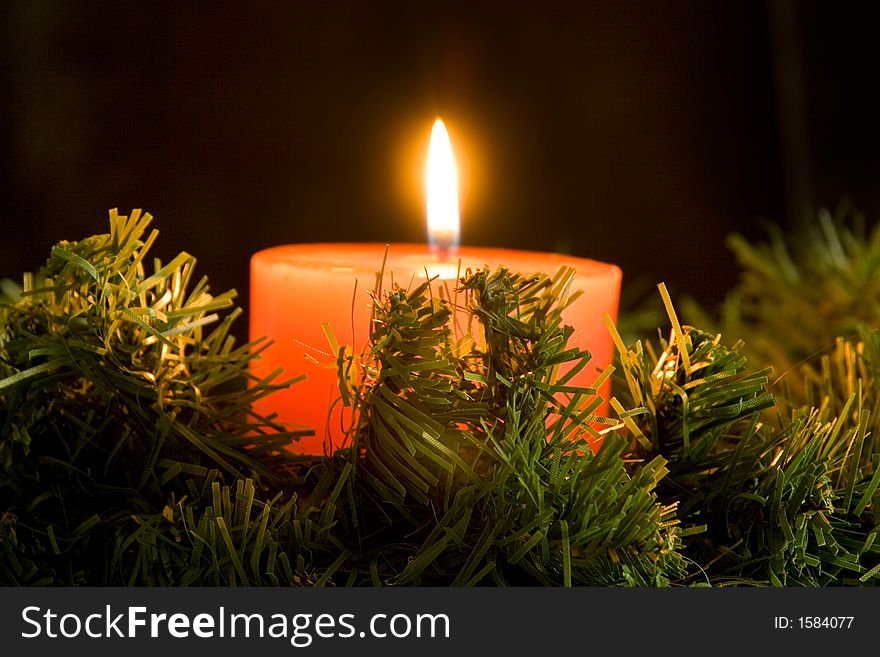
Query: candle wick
x: 444, y: 249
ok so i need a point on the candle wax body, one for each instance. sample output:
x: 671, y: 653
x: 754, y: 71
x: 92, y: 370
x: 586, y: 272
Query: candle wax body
x: 295, y: 288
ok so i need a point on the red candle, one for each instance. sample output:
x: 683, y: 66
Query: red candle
x: 297, y: 288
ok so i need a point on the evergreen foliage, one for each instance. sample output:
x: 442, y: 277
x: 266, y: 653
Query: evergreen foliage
x: 468, y: 448
x: 130, y: 453
x: 788, y: 503
x: 798, y: 294
x: 114, y: 396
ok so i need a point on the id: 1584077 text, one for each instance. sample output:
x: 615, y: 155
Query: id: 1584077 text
x: 813, y: 622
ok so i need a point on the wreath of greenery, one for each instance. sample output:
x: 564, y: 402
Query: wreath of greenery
x: 130, y: 453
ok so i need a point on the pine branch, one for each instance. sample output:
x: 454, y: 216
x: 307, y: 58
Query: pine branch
x: 798, y: 295
x: 114, y: 386
x: 475, y: 450
x: 788, y: 505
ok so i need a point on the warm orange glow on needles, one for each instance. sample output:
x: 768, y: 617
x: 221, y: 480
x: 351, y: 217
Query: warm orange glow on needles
x: 441, y: 191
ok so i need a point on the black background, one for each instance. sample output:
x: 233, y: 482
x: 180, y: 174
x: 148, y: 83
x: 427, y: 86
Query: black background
x: 636, y: 133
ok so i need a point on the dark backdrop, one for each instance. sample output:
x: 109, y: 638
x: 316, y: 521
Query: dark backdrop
x: 638, y: 133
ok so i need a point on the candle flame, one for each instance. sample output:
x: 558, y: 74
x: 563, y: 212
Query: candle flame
x: 441, y: 186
